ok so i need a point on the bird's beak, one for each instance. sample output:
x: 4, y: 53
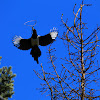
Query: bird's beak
x: 32, y: 28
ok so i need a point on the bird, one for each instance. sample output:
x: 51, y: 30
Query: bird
x: 35, y: 41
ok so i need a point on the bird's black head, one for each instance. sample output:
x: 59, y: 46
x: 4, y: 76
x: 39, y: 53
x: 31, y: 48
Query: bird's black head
x: 34, y: 35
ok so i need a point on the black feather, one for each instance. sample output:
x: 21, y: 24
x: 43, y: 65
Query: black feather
x: 25, y: 44
x: 45, y: 40
x: 35, y: 52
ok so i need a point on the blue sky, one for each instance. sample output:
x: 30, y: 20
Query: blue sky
x: 13, y: 15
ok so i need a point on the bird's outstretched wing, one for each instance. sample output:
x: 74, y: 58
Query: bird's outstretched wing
x: 20, y: 43
x: 49, y: 38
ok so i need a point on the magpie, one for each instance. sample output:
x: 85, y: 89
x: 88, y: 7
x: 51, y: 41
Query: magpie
x: 33, y: 42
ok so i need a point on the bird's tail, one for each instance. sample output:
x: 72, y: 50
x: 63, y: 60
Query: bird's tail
x: 35, y: 52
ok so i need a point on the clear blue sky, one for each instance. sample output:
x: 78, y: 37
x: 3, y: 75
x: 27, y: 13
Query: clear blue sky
x: 13, y: 15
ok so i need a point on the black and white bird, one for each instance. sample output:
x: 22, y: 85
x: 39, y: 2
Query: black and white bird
x: 33, y: 42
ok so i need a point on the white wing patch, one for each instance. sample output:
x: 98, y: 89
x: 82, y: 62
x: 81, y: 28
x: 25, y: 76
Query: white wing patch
x: 54, y: 33
x: 16, y: 40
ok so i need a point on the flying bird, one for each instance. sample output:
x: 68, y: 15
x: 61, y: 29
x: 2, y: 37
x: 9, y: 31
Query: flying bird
x: 34, y: 42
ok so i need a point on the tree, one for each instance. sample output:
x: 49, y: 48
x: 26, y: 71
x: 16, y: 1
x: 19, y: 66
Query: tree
x: 6, y: 82
x: 81, y: 68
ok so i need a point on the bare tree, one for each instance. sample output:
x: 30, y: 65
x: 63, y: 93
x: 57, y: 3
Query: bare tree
x: 75, y: 78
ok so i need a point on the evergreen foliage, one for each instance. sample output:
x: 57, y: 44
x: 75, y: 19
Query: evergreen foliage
x: 6, y: 82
